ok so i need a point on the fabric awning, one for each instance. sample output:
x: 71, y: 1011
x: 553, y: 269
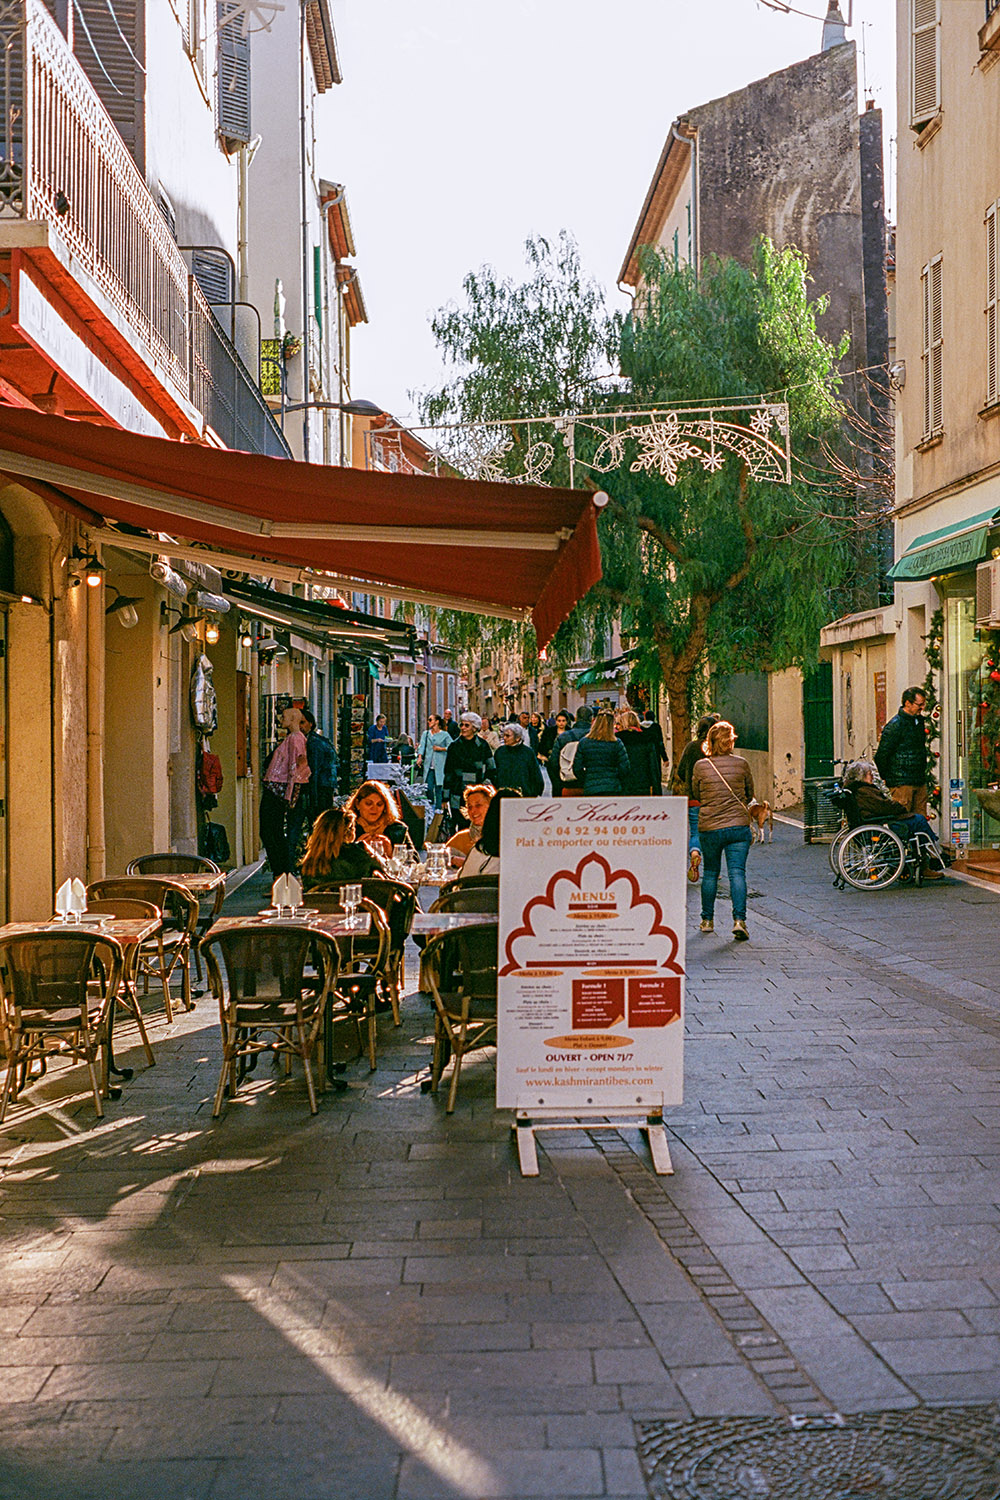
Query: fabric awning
x: 601, y: 671
x: 947, y: 550
x: 342, y: 630
x: 503, y: 549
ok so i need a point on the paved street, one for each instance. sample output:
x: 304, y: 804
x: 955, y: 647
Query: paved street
x: 374, y: 1304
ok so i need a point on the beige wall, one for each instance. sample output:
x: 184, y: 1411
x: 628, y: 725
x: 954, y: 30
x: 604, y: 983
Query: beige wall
x: 137, y: 710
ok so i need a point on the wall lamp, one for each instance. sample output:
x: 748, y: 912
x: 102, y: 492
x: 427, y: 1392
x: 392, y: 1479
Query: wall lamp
x: 211, y: 631
x: 124, y: 608
x: 89, y: 570
x: 186, y: 625
x: 359, y: 408
x: 246, y: 637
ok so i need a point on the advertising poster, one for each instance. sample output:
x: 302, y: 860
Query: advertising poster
x: 591, y: 961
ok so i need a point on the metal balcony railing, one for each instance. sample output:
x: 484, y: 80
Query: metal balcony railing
x: 63, y: 161
x: 222, y: 387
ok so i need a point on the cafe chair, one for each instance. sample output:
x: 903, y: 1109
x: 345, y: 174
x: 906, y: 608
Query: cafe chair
x: 273, y: 985
x: 168, y: 952
x: 461, y: 968
x: 128, y: 995
x: 458, y: 897
x: 56, y: 993
x: 186, y: 864
x: 398, y: 900
x: 364, y: 966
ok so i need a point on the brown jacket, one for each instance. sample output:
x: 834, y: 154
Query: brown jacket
x: 720, y: 784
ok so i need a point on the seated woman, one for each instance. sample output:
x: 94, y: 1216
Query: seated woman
x: 376, y: 817
x: 475, y: 801
x: 484, y: 858
x: 332, y: 857
x: 874, y: 806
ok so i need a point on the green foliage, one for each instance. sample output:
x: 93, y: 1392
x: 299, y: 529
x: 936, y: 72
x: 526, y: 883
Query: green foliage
x: 716, y: 566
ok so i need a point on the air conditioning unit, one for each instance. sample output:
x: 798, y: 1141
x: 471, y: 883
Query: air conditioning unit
x: 988, y: 593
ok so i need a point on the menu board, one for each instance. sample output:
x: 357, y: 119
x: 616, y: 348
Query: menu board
x: 591, y: 955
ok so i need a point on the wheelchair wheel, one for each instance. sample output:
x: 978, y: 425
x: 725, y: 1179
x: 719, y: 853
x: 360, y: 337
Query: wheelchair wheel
x: 834, y: 849
x: 870, y: 858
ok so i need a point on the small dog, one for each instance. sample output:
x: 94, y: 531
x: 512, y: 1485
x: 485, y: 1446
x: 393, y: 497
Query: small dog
x: 761, y: 815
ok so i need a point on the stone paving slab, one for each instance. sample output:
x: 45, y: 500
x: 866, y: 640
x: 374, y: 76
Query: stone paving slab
x: 373, y: 1302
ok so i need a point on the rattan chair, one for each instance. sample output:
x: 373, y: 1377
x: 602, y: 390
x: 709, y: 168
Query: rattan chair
x: 170, y: 950
x: 456, y: 897
x: 273, y: 984
x: 128, y: 994
x: 364, y: 967
x: 186, y: 864
x: 461, y: 968
x: 56, y: 993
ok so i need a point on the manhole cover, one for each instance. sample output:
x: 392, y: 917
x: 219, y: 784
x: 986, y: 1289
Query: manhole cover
x: 941, y: 1453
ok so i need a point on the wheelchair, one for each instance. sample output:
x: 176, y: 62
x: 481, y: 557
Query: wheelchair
x: 873, y: 856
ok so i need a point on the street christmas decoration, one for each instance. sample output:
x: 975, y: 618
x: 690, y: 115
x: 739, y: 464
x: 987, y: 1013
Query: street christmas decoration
x: 707, y: 416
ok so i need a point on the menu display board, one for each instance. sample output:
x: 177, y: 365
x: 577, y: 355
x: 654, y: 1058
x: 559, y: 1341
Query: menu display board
x: 591, y: 958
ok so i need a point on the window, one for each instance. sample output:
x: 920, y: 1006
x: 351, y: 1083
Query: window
x: 930, y: 278
x: 233, y: 83
x: 992, y: 289
x: 925, y: 61
x: 194, y: 26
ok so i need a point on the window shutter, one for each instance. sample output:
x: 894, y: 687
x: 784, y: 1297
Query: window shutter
x: 110, y: 46
x: 213, y: 273
x: 925, y: 60
x: 233, y: 87
x: 992, y: 288
x: 933, y: 349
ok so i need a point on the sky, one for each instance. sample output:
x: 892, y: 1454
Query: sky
x: 464, y: 126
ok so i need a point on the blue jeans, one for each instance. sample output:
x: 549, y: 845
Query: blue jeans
x: 736, y: 843
x: 434, y: 791
x: 693, y: 827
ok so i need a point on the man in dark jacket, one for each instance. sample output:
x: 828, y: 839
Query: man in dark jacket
x: 901, y: 756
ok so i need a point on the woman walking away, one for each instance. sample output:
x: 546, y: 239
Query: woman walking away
x: 601, y: 765
x: 722, y: 786
x: 681, y: 787
x: 643, y: 779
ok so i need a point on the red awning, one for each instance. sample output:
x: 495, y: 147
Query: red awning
x: 507, y: 548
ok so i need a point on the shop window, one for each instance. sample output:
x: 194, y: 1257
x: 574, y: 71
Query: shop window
x: 925, y: 61
x: 933, y: 341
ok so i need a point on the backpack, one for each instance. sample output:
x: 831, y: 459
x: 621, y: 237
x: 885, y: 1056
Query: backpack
x: 209, y: 774
x: 214, y: 842
x: 567, y: 755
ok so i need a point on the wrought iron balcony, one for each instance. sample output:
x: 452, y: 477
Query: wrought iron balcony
x: 62, y: 161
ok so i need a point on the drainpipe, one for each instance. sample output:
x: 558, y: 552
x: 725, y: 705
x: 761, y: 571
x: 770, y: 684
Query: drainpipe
x: 96, y: 848
x: 692, y: 141
x: 306, y: 267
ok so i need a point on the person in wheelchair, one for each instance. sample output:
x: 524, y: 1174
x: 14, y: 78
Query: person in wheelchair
x: 875, y: 806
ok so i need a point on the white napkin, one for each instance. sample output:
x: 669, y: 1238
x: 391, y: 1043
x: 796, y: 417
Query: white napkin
x: 64, y: 896
x: 78, y: 896
x: 286, y: 891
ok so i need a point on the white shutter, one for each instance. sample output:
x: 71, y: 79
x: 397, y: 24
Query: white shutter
x: 933, y: 349
x: 925, y: 60
x: 992, y: 288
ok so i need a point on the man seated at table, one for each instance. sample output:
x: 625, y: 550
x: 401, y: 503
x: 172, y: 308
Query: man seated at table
x: 331, y: 857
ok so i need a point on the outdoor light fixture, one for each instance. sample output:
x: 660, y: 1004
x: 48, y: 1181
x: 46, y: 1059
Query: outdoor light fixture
x: 124, y: 608
x: 90, y: 570
x: 211, y: 631
x: 186, y: 625
x: 246, y: 639
x: 267, y: 650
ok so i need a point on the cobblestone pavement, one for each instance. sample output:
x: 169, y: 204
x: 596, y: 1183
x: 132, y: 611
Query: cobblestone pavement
x: 374, y: 1304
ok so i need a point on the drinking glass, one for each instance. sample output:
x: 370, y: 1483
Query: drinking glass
x: 351, y: 896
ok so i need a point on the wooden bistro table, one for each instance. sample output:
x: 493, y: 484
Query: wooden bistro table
x: 331, y: 924
x: 131, y: 933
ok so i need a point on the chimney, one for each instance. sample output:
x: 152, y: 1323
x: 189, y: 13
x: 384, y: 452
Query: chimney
x: 834, y: 28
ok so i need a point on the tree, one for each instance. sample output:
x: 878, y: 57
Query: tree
x: 713, y: 568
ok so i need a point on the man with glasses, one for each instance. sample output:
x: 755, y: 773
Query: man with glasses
x: 901, y: 756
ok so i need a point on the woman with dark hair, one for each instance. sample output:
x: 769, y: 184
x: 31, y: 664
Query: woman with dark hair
x: 722, y: 785
x: 643, y: 779
x: 484, y: 857
x: 562, y: 724
x: 517, y: 765
x: 330, y: 855
x: 601, y: 765
x: 376, y: 817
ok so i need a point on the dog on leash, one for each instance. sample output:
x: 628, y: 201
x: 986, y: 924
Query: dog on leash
x: 761, y: 816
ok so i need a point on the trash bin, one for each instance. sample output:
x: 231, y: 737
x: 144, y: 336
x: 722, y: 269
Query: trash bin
x: 821, y: 820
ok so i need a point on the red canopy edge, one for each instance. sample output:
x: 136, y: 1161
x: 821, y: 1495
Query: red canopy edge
x: 521, y: 547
